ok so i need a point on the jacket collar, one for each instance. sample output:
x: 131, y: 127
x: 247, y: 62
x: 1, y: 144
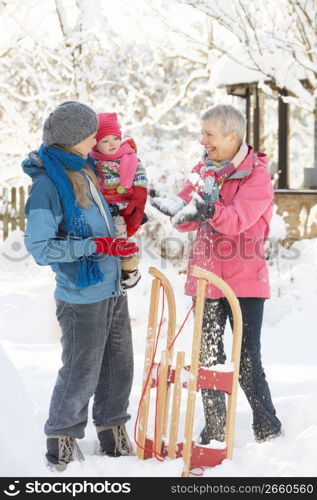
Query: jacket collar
x: 252, y: 160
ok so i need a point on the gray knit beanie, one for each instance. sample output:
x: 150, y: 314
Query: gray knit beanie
x: 69, y: 124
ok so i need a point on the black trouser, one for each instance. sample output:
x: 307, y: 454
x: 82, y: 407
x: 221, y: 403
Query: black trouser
x: 252, y: 377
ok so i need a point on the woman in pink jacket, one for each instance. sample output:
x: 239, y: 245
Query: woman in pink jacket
x: 227, y: 199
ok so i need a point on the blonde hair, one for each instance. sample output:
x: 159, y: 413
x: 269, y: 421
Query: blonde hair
x: 77, y: 180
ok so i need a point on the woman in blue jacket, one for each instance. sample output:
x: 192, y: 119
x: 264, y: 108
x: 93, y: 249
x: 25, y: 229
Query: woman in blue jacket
x: 69, y: 227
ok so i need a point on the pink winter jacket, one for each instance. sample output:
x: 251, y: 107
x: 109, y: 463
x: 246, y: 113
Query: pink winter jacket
x: 230, y: 244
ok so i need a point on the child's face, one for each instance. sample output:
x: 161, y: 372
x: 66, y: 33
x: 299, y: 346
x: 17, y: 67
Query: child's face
x: 108, y: 145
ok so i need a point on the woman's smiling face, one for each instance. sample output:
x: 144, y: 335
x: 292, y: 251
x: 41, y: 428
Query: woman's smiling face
x: 219, y: 147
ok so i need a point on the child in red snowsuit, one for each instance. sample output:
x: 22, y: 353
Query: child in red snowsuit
x: 123, y: 183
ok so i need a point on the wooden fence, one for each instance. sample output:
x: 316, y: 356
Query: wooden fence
x: 12, y: 201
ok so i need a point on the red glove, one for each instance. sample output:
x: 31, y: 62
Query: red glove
x: 117, y: 247
x: 134, y: 212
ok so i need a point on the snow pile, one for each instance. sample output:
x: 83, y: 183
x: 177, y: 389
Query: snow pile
x: 291, y: 310
x: 278, y: 229
x: 27, y: 302
x: 20, y: 437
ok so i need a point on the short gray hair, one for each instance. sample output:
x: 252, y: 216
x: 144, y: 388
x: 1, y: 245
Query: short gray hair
x: 229, y: 118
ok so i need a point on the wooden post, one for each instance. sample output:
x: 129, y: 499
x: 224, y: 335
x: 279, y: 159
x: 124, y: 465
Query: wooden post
x: 180, y: 359
x: 5, y: 217
x: 14, y: 207
x: 21, y: 209
x: 261, y: 104
x: 145, y: 403
x: 256, y: 120
x: 283, y: 146
x: 192, y: 383
x: 5, y: 222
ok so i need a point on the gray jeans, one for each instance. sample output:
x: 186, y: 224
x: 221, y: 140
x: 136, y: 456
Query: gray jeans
x: 97, y: 358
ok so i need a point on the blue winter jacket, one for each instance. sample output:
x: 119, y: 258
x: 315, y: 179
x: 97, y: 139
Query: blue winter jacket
x: 48, y: 242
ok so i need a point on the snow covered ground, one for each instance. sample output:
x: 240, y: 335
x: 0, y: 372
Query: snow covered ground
x: 30, y: 357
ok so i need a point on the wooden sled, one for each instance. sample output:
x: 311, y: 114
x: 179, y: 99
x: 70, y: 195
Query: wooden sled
x: 198, y: 378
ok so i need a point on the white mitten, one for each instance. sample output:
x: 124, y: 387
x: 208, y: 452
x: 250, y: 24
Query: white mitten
x: 166, y: 203
x: 196, y: 211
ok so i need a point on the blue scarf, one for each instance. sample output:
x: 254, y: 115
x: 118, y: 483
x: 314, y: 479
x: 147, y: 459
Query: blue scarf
x: 55, y: 160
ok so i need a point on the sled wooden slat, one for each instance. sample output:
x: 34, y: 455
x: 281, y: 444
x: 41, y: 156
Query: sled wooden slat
x: 180, y: 360
x: 150, y: 341
x: 159, y: 278
x: 167, y: 405
x: 235, y: 352
x: 161, y: 400
x: 170, y: 333
x: 170, y: 303
x: 192, y: 382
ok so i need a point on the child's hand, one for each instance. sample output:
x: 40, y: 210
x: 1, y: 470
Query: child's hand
x: 167, y: 204
x: 134, y: 212
x: 132, y: 144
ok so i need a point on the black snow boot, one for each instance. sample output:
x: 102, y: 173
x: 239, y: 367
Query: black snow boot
x: 214, y: 403
x: 114, y: 441
x: 60, y: 451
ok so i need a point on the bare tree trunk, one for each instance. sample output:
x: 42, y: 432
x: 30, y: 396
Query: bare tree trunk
x: 76, y: 51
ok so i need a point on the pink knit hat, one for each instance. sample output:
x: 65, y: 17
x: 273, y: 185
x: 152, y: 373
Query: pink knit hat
x: 107, y: 125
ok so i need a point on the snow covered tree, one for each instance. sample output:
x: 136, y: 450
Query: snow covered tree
x: 278, y: 39
x: 151, y: 90
x: 60, y: 50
